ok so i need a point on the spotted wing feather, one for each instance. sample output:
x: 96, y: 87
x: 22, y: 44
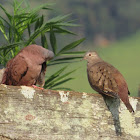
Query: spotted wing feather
x: 101, y: 79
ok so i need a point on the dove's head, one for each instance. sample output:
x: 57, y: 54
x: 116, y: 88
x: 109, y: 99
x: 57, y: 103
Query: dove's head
x: 92, y: 57
x: 50, y: 55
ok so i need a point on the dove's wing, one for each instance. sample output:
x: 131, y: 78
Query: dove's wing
x: 101, y: 79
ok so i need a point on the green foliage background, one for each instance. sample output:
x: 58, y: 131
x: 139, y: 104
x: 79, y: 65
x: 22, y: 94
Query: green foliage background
x: 113, y: 19
x: 110, y: 18
x: 117, y: 21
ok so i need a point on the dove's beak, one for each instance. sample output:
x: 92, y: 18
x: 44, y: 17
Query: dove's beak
x: 82, y: 59
x: 85, y: 57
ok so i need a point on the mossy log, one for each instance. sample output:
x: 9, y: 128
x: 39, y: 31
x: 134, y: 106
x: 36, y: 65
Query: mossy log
x: 31, y: 114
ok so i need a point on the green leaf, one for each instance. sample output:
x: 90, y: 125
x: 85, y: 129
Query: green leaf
x: 37, y: 24
x: 7, y: 14
x: 61, y: 62
x: 29, y: 30
x: 61, y: 82
x: 64, y: 60
x: 56, y: 74
x: 10, y: 34
x: 17, y: 5
x: 53, y: 40
x: 5, y: 21
x: 24, y: 21
x: 43, y: 6
x: 71, y: 53
x: 41, y: 20
x: 44, y: 41
x: 36, y: 34
x: 63, y: 88
x: 67, y: 58
x: 2, y: 28
x: 63, y: 76
x: 67, y: 24
x: 11, y: 45
x: 58, y: 19
x: 71, y: 46
x: 56, y: 79
x: 62, y: 30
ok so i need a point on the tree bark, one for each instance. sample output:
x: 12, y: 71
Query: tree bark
x: 1, y: 74
x: 31, y: 114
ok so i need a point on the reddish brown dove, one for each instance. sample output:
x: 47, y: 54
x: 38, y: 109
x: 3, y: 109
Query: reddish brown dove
x: 106, y: 79
x: 28, y: 67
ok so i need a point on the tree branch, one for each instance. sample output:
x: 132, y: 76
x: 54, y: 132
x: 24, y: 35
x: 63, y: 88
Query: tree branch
x: 29, y: 114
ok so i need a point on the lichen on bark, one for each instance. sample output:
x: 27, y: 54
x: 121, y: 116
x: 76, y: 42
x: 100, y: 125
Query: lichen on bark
x: 49, y: 114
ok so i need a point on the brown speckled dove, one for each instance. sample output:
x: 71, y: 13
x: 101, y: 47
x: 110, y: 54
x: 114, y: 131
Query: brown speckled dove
x: 106, y: 79
x: 28, y: 67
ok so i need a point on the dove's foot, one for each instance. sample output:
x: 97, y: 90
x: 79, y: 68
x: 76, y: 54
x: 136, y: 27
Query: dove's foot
x: 37, y: 87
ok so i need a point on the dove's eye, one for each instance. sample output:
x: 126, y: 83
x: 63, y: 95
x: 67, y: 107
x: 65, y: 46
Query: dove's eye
x: 89, y: 54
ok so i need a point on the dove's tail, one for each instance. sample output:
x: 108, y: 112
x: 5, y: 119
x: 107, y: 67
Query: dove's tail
x: 129, y: 107
x: 125, y: 100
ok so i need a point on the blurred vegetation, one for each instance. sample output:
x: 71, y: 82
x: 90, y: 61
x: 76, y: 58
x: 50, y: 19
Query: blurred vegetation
x: 109, y: 18
x: 24, y: 26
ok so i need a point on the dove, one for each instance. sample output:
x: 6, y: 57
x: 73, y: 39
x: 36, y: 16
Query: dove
x: 106, y: 79
x: 28, y: 67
